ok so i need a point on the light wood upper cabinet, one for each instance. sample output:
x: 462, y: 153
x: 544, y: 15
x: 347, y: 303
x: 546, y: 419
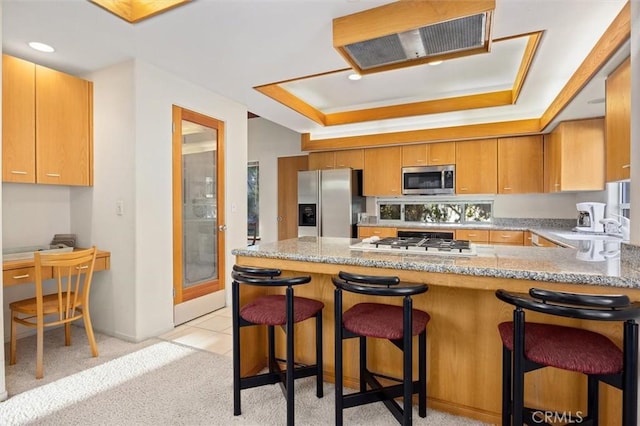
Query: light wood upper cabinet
x: 618, y: 123
x: 53, y: 127
x: 574, y: 156
x: 520, y: 165
x: 322, y: 160
x: 349, y: 158
x: 64, y: 148
x: 382, y: 171
x: 18, y: 120
x: 477, y: 167
x: 429, y: 154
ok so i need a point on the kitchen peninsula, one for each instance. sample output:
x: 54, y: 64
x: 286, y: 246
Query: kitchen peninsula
x: 464, y: 349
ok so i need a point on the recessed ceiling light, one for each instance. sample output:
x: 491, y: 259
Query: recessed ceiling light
x: 354, y: 76
x: 41, y: 47
x: 596, y: 101
x: 434, y: 63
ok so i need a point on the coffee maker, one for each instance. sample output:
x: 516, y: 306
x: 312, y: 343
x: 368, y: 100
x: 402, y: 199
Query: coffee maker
x: 589, y: 217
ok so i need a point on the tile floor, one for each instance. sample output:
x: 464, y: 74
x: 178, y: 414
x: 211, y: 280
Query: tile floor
x: 211, y: 332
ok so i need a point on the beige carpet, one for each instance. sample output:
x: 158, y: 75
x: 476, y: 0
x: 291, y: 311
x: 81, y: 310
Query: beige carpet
x: 162, y: 383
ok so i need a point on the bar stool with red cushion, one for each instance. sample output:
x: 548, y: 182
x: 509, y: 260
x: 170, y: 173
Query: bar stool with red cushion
x: 529, y: 346
x: 398, y: 324
x: 274, y: 310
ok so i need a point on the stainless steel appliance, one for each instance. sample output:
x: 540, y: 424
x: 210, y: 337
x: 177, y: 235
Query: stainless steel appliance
x: 440, y: 243
x: 590, y: 217
x: 329, y: 202
x: 428, y: 180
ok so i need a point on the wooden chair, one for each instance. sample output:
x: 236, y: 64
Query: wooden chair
x: 70, y: 302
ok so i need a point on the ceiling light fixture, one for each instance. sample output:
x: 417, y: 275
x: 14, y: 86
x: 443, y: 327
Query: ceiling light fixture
x: 134, y: 11
x: 354, y: 76
x: 435, y: 63
x: 41, y: 47
x: 407, y: 33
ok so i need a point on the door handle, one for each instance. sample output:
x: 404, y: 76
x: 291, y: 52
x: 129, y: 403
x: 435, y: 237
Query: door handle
x: 222, y: 228
x: 280, y: 218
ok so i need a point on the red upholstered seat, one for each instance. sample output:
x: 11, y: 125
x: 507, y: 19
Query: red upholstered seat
x: 272, y: 310
x: 567, y: 348
x: 382, y: 321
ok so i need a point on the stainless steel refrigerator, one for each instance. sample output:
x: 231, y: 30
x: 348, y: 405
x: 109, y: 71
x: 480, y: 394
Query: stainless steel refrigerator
x: 329, y: 202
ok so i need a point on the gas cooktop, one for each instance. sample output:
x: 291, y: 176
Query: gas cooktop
x: 417, y: 245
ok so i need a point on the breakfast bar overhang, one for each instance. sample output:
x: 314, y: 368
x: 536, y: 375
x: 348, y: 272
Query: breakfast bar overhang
x: 464, y: 354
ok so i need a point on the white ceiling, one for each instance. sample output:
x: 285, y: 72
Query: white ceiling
x: 231, y: 46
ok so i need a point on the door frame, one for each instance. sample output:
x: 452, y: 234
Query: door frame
x: 198, y: 300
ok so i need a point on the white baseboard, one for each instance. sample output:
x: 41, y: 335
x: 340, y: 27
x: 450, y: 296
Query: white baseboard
x: 195, y: 308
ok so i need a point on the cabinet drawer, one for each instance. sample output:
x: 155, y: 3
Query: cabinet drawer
x: 473, y: 235
x: 507, y: 237
x: 23, y: 275
x: 382, y: 232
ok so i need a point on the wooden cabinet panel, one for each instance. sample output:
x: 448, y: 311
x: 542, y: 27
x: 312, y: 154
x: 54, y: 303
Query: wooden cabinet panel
x: 47, y: 125
x: 18, y: 120
x: 322, y: 160
x: 429, y: 154
x: 574, y: 156
x: 473, y: 235
x: 520, y: 165
x: 538, y: 241
x: 350, y: 158
x: 618, y: 123
x: 378, y: 231
x: 63, y: 131
x: 441, y: 153
x: 382, y: 171
x: 477, y: 167
x: 506, y: 237
x: 414, y: 155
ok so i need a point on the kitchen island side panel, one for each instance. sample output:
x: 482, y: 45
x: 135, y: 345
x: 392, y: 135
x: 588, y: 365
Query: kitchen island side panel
x: 464, y: 355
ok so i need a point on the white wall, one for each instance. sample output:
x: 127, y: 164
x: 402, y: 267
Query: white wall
x: 267, y: 142
x: 133, y: 141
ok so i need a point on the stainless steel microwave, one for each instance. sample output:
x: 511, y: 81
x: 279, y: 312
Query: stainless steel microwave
x: 429, y: 180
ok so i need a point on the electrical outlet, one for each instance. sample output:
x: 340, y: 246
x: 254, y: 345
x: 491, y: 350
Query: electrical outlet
x: 119, y: 207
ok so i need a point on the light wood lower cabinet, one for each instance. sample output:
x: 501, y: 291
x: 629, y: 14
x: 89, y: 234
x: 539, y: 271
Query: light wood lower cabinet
x: 378, y: 231
x: 506, y: 237
x: 474, y: 235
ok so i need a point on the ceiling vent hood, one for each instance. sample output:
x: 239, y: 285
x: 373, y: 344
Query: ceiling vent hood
x: 413, y: 32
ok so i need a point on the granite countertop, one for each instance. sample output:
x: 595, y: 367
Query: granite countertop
x: 561, y: 265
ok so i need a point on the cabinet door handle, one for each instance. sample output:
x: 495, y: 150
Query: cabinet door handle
x: 464, y: 188
x: 435, y: 159
x: 18, y: 172
x: 53, y: 174
x: 19, y: 277
x: 507, y: 188
x: 82, y: 267
x: 626, y: 166
x: 472, y: 235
